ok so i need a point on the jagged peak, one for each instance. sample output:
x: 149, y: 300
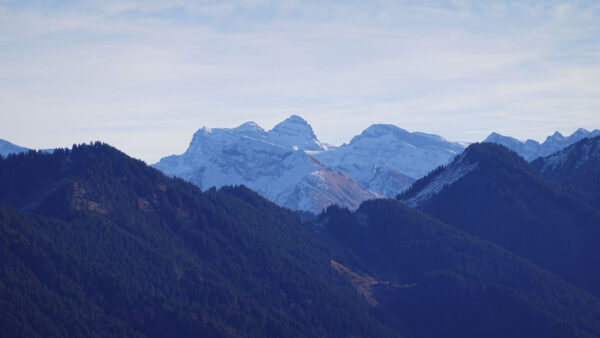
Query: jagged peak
x: 249, y: 126
x: 493, y: 155
x: 295, y: 132
x: 580, y: 131
x: 494, y: 135
x: 556, y: 135
x: 293, y: 124
x: 295, y: 119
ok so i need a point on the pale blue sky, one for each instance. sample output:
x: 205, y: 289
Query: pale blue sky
x: 144, y: 75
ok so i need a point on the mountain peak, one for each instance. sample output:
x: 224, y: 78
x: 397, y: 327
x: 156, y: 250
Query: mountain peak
x: 382, y: 129
x: 295, y: 119
x: 494, y: 154
x: 294, y: 132
x: 250, y: 126
x: 486, y: 157
x: 379, y: 130
x: 294, y: 125
x: 495, y: 137
x: 531, y: 149
x: 557, y: 135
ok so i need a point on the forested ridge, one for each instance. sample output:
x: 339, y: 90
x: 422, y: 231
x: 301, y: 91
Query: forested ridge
x: 110, y: 247
x: 440, y: 281
x: 95, y: 243
x: 506, y: 202
x: 575, y: 170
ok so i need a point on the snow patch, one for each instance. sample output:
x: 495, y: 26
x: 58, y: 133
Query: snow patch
x: 451, y: 174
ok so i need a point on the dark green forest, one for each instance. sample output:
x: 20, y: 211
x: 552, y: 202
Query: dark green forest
x: 504, y: 201
x: 440, y: 281
x: 578, y: 174
x: 108, y: 246
x: 95, y: 243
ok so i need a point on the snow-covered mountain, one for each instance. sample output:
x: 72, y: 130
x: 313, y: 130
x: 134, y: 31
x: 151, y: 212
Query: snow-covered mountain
x: 387, y: 159
x: 297, y: 134
x: 7, y: 148
x: 291, y: 167
x: 273, y: 163
x: 531, y: 149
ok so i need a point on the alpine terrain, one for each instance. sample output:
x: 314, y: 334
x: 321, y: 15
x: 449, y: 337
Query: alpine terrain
x: 575, y: 169
x: 530, y: 149
x: 95, y: 243
x: 493, y: 193
x: 291, y: 167
x: 274, y: 164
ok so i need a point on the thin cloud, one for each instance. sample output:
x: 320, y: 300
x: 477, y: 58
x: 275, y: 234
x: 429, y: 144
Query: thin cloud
x: 461, y: 69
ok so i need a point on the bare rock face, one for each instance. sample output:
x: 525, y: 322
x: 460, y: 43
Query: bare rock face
x: 291, y: 167
x: 387, y: 159
x: 273, y: 163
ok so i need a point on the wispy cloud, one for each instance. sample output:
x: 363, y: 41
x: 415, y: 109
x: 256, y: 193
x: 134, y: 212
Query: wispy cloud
x: 127, y: 71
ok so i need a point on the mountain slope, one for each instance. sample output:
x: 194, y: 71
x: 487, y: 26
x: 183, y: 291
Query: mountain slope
x: 247, y: 155
x: 493, y: 193
x: 111, y: 247
x: 291, y: 167
x: 441, y: 282
x: 295, y: 132
x: 531, y: 149
x: 384, y: 148
x: 575, y: 169
x: 7, y: 148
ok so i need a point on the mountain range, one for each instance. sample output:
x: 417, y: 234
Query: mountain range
x: 96, y: 243
x: 274, y: 163
x: 291, y: 167
x: 493, y: 193
x: 530, y: 149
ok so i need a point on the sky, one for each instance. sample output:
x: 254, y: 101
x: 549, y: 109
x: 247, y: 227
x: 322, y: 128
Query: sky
x: 143, y: 76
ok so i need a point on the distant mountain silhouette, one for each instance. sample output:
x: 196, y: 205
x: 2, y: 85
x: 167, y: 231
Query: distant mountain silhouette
x: 7, y: 148
x: 530, y: 149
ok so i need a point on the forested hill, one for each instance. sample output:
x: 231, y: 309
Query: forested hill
x: 106, y: 246
x: 438, y: 281
x: 95, y: 243
x: 491, y: 192
x: 575, y: 170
